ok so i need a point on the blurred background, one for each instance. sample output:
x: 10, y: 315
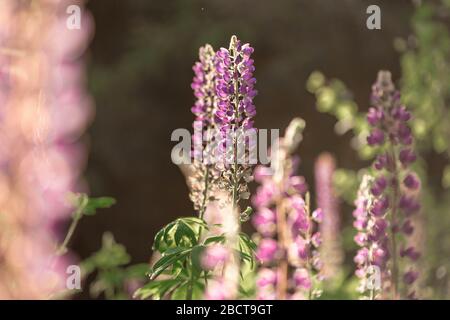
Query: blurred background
x: 140, y: 70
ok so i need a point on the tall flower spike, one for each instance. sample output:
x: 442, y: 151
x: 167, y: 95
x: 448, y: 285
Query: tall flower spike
x: 372, y: 238
x: 203, y: 85
x: 288, y: 248
x: 43, y: 111
x: 395, y: 185
x: 235, y: 110
x: 331, y: 249
x: 203, y: 180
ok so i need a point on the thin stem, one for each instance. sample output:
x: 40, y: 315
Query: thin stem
x: 372, y: 294
x: 393, y: 224
x: 205, y: 193
x: 235, y: 197
x: 283, y: 264
x: 190, y: 289
x: 76, y: 218
x: 203, y: 207
x: 308, y: 240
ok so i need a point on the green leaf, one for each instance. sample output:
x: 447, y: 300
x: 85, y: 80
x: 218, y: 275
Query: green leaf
x: 194, y: 220
x: 249, y: 242
x: 175, y: 250
x: 247, y: 249
x: 245, y: 216
x: 180, y: 292
x: 157, y: 241
x: 214, y: 239
x: 167, y: 260
x: 97, y: 203
x: 196, y: 256
x: 183, y: 231
x: 168, y: 235
x: 246, y: 257
x: 156, y: 289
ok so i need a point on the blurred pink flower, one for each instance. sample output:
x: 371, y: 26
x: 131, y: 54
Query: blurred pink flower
x: 44, y: 109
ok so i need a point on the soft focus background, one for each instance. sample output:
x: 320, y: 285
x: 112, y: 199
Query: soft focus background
x: 140, y: 72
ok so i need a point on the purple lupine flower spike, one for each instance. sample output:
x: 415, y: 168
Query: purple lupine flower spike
x: 235, y: 86
x: 234, y: 116
x: 203, y: 85
x: 231, y: 120
x: 371, y: 258
x: 291, y: 263
x: 204, y: 176
x: 393, y: 192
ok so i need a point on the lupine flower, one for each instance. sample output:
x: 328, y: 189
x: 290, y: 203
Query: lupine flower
x: 266, y: 283
x: 267, y: 250
x: 302, y: 278
x: 203, y: 178
x: 328, y: 215
x: 43, y: 110
x: 235, y: 86
x: 265, y: 221
x: 266, y: 277
x: 371, y: 239
x: 232, y: 105
x: 235, y: 111
x: 217, y: 290
x: 393, y: 193
x: 288, y: 247
x: 203, y: 85
x: 214, y: 255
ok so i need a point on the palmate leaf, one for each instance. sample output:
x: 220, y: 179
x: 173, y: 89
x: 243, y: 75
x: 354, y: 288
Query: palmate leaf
x: 168, y: 234
x: 184, y: 234
x: 170, y: 257
x: 194, y: 220
x: 181, y: 232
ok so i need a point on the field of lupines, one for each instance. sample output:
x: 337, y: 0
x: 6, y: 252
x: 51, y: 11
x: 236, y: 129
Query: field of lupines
x: 257, y: 228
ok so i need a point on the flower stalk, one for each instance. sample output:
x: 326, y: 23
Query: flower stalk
x: 394, y: 193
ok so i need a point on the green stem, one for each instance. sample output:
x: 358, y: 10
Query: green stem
x: 308, y: 240
x: 393, y: 223
x: 372, y: 294
x: 205, y: 193
x: 78, y: 214
x: 235, y: 197
x: 204, y: 201
x: 190, y: 289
